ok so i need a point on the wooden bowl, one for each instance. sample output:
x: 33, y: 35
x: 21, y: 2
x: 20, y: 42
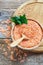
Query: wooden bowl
x: 12, y: 35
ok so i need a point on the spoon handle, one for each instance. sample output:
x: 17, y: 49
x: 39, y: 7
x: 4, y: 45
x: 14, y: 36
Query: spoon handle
x: 15, y: 43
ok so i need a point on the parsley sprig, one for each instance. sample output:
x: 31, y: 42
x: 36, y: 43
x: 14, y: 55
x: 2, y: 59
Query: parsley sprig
x: 19, y: 19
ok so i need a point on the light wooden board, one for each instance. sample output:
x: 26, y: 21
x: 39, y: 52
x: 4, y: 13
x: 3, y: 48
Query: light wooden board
x: 33, y: 11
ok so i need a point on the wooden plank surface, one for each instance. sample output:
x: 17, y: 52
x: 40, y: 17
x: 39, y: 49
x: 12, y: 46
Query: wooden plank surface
x: 13, y: 4
x: 40, y: 0
x: 31, y: 59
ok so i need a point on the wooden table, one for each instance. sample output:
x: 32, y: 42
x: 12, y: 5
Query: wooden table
x: 5, y: 8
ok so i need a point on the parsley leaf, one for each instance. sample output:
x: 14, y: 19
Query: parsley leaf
x: 19, y: 19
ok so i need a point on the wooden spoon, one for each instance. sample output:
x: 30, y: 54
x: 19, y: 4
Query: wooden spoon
x: 16, y: 42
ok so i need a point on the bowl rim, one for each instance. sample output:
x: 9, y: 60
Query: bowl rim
x: 20, y: 45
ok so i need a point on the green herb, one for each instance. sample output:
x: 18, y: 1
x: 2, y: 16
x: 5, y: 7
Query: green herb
x: 19, y: 19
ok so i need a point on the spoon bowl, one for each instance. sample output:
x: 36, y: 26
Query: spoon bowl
x: 16, y: 42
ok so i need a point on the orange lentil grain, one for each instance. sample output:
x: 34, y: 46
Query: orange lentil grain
x: 5, y: 53
x: 9, y: 27
x: 22, y: 61
x: 11, y: 57
x: 9, y: 48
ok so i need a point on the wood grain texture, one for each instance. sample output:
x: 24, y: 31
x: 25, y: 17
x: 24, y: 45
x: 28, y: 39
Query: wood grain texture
x: 12, y: 4
x: 40, y: 0
x: 32, y: 59
x: 33, y: 11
